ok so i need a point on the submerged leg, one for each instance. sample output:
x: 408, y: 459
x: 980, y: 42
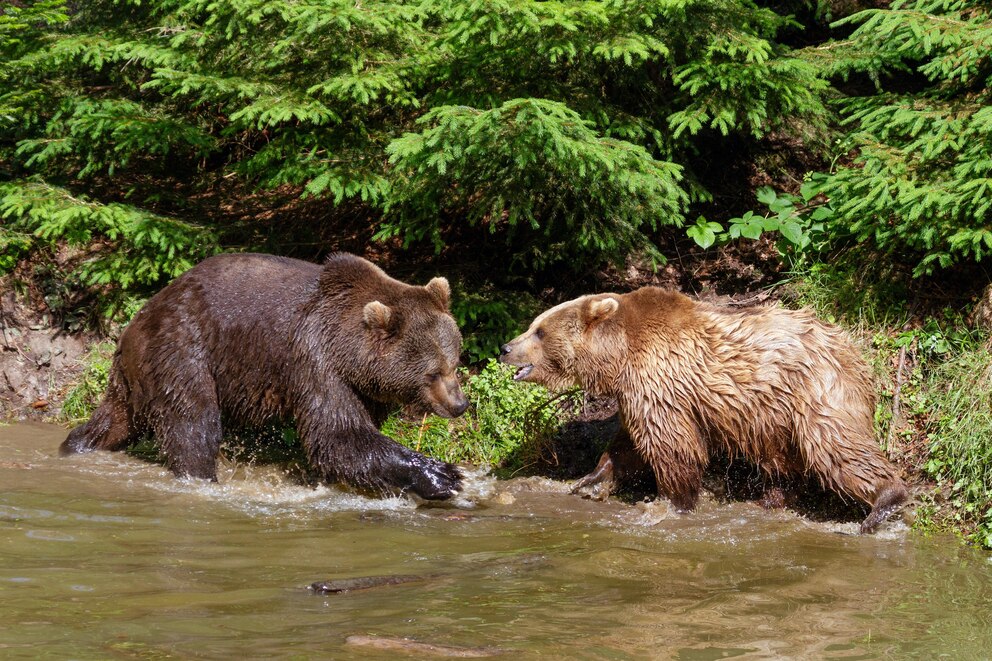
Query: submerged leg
x: 671, y: 444
x: 341, y: 440
x: 620, y: 465
x: 187, y: 427
x: 889, y: 499
x: 847, y: 460
x: 111, y: 427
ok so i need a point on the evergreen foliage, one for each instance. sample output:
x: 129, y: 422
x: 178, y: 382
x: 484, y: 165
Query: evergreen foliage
x: 531, y: 164
x: 129, y: 249
x: 920, y: 186
x: 567, y: 128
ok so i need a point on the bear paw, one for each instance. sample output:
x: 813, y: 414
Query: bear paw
x: 432, y: 479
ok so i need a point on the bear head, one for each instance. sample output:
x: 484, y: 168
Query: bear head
x: 563, y: 346
x: 397, y: 343
x: 422, y: 343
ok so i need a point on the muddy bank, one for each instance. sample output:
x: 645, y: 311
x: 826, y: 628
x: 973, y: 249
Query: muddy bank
x: 39, y: 362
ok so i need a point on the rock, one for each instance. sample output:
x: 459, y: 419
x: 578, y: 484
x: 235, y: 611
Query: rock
x: 338, y: 586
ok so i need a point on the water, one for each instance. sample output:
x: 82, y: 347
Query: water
x: 105, y: 556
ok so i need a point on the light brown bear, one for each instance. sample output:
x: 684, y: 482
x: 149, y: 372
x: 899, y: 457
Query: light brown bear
x: 776, y: 386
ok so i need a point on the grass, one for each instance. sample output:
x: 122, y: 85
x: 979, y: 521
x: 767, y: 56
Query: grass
x: 960, y: 434
x: 82, y: 400
x: 505, y: 419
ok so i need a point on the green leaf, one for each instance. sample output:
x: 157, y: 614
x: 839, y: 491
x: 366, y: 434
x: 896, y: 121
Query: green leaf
x: 793, y: 232
x: 766, y: 195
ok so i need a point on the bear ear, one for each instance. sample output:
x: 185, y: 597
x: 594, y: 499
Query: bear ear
x: 377, y: 316
x: 440, y: 291
x: 601, y: 309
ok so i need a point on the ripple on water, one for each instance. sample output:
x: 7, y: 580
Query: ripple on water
x: 50, y: 536
x: 13, y: 513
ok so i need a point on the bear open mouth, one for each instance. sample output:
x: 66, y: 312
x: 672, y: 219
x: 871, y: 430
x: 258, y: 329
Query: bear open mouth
x: 523, y: 372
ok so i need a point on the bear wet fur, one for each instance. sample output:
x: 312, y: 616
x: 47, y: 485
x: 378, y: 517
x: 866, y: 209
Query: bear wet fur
x: 777, y: 387
x: 244, y: 339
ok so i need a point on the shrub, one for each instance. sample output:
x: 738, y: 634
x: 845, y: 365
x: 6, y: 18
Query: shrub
x: 568, y: 130
x: 85, y: 395
x: 130, y: 251
x: 503, y: 418
x: 488, y: 318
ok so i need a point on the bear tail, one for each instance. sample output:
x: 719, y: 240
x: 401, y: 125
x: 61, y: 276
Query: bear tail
x: 889, y: 498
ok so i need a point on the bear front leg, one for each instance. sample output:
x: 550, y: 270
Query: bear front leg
x: 411, y: 471
x: 343, y: 443
x: 671, y: 445
x: 364, y: 458
x: 619, y: 465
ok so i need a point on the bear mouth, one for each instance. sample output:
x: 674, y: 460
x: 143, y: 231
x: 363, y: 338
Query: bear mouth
x: 523, y: 372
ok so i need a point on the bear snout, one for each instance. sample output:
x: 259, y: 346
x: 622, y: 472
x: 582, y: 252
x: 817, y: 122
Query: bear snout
x: 447, y: 397
x: 515, y: 355
x: 509, y: 354
x: 459, y: 407
x: 454, y: 406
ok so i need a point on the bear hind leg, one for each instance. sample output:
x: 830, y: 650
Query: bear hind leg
x: 889, y: 499
x: 849, y: 463
x: 189, y: 434
x: 111, y: 427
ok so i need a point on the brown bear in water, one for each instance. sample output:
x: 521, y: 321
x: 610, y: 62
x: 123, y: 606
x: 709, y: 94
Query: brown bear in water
x: 775, y: 386
x: 242, y: 339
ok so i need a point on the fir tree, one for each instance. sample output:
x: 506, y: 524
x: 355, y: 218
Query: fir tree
x: 565, y: 128
x: 920, y: 187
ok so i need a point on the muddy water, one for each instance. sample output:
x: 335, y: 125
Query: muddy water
x: 108, y: 557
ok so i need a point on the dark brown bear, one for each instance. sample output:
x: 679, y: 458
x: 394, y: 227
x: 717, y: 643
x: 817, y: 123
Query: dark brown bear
x: 775, y: 386
x: 240, y: 340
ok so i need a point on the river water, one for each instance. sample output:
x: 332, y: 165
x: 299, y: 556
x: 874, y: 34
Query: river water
x: 106, y: 556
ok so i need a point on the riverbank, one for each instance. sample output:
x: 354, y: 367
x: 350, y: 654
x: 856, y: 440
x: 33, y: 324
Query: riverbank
x: 933, y: 371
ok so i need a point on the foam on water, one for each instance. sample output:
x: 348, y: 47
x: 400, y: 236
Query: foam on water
x: 264, y: 490
x: 477, y: 486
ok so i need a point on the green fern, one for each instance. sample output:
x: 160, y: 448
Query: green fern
x: 141, y: 250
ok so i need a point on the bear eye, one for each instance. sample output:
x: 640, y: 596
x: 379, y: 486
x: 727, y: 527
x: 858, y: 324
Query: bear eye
x: 540, y: 333
x: 433, y: 377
